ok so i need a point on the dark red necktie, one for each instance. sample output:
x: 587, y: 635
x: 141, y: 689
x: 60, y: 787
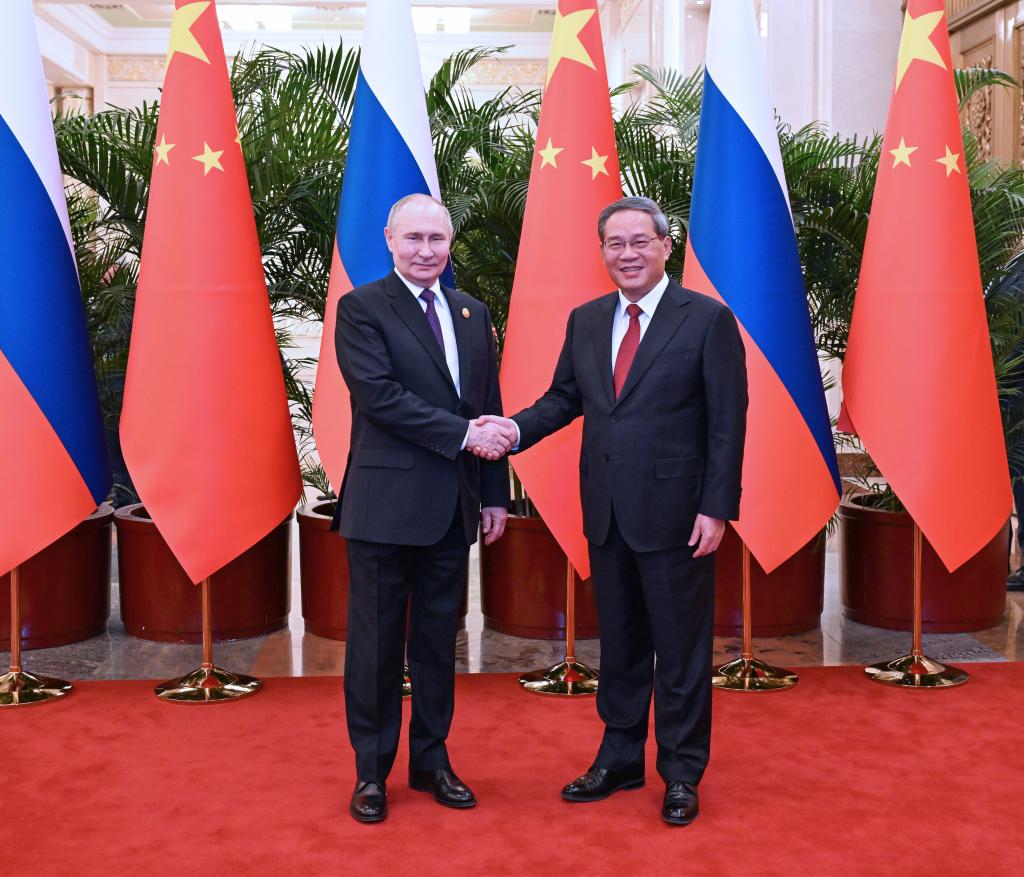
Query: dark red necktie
x: 627, y: 349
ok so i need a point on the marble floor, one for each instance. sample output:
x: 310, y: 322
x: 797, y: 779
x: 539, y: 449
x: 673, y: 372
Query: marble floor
x: 292, y: 652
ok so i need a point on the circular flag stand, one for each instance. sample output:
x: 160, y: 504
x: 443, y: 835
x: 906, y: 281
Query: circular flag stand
x: 747, y: 673
x: 917, y: 670
x: 18, y: 688
x: 208, y: 684
x: 568, y: 677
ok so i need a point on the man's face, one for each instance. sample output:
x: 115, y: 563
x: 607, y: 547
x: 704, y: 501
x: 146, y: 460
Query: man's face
x: 638, y: 266
x: 420, y: 241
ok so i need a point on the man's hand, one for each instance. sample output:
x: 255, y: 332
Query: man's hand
x: 486, y: 441
x: 491, y: 437
x: 493, y: 523
x: 708, y: 532
x: 505, y: 427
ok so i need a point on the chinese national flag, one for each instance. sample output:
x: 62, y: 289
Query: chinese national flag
x: 918, y: 380
x: 205, y: 427
x: 575, y: 174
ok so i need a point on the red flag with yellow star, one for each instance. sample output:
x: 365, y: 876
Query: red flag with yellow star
x: 205, y: 428
x: 918, y: 379
x: 575, y: 174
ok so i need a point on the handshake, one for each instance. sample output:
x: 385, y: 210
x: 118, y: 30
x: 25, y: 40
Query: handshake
x: 491, y: 437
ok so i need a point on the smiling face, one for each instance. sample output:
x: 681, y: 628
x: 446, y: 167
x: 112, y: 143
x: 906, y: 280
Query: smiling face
x: 635, y: 272
x: 420, y: 239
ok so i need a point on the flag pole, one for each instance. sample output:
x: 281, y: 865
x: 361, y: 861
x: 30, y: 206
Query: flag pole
x: 208, y: 684
x: 747, y: 673
x: 18, y: 688
x: 917, y: 670
x: 568, y: 677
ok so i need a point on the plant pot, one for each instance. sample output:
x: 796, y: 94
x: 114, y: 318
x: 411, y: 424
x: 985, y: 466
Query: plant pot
x: 323, y: 559
x: 65, y: 588
x: 787, y: 600
x: 877, y: 578
x: 159, y: 602
x: 522, y: 584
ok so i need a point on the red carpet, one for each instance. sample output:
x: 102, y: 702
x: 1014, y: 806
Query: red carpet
x: 839, y: 776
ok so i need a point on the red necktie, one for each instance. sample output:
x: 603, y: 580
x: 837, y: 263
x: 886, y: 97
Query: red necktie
x: 627, y: 349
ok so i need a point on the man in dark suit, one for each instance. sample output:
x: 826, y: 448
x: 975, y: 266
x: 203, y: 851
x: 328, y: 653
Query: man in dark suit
x: 658, y: 373
x: 419, y: 362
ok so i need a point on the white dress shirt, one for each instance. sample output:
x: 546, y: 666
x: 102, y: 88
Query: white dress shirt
x: 648, y: 304
x: 444, y: 317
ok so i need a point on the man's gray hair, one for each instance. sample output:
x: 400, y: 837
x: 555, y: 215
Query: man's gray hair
x: 644, y: 205
x: 401, y: 202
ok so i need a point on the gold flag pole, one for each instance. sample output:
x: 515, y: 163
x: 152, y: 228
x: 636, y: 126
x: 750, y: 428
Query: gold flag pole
x: 917, y: 670
x: 569, y: 677
x: 18, y: 688
x: 208, y: 684
x: 747, y: 673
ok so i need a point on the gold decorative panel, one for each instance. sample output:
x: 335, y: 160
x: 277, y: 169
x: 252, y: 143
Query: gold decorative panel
x: 978, y: 112
x: 496, y: 71
x: 123, y: 68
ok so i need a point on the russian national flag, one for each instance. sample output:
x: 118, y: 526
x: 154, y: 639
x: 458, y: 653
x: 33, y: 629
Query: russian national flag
x: 390, y: 155
x: 54, y: 469
x: 742, y: 250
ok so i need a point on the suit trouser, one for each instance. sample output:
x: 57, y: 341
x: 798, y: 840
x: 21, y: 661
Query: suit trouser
x: 656, y: 611
x: 381, y: 579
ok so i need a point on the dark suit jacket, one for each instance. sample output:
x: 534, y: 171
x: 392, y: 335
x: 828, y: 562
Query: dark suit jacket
x: 405, y: 471
x: 671, y: 445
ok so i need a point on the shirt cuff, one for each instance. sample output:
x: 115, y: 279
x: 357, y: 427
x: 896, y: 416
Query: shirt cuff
x: 465, y: 440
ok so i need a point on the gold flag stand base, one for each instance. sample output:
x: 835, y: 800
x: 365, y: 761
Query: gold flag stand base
x: 917, y: 670
x: 208, y: 684
x: 747, y: 673
x: 18, y: 688
x: 566, y: 678
x: 750, y: 674
x: 569, y: 677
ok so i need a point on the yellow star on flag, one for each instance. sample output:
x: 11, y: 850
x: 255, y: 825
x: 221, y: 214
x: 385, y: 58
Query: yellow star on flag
x: 596, y: 164
x: 950, y: 161
x: 182, y: 39
x: 549, y: 153
x: 209, y: 158
x: 566, y: 43
x: 916, y: 44
x: 163, y: 149
x: 901, y: 154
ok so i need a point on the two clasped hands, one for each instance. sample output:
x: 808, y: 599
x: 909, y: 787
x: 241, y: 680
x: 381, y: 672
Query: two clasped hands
x: 491, y: 437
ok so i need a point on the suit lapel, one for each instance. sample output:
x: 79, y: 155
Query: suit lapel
x: 602, y: 338
x: 410, y: 312
x: 668, y: 317
x: 463, y: 328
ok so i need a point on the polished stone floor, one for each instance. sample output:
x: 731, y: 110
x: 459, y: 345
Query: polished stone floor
x: 291, y: 652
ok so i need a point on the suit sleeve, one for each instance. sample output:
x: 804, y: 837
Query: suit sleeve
x: 494, y: 482
x: 560, y: 405
x: 725, y: 387
x: 366, y: 366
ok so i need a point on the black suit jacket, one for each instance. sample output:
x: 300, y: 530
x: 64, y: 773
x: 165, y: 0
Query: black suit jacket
x: 405, y: 470
x: 671, y: 445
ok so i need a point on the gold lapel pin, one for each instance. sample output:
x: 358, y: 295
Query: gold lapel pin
x: 465, y: 313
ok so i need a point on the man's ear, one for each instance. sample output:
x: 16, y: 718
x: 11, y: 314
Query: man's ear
x: 387, y: 238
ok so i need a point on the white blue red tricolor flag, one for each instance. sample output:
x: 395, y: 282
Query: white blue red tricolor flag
x: 390, y: 155
x: 742, y: 250
x: 51, y: 433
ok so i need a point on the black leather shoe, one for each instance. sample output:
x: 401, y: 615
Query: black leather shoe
x: 681, y: 805
x: 446, y: 788
x: 597, y: 784
x: 1016, y: 581
x: 369, y: 802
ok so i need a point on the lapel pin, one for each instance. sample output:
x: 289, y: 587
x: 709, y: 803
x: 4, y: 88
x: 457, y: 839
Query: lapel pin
x: 465, y: 313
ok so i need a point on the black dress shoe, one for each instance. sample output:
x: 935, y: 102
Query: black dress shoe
x: 597, y: 784
x: 369, y: 802
x: 681, y: 805
x: 446, y: 788
x: 1016, y: 581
